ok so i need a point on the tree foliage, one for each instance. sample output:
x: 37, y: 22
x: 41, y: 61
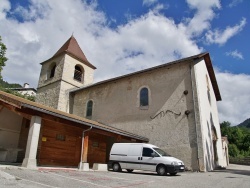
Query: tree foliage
x: 3, y: 59
x: 238, y: 138
x: 5, y: 86
x: 13, y: 92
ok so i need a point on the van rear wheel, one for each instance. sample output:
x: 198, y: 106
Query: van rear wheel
x: 129, y: 170
x: 116, y: 167
x: 161, y: 170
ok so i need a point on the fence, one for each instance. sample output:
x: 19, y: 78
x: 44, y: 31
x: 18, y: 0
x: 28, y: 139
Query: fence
x: 242, y: 161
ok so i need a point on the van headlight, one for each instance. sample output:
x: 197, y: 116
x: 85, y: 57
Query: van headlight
x: 174, y: 163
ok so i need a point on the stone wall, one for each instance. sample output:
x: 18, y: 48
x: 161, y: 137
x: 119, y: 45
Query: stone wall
x: 54, y: 92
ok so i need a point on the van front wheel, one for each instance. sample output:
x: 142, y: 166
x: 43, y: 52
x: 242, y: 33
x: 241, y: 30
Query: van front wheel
x: 161, y: 170
x: 116, y: 167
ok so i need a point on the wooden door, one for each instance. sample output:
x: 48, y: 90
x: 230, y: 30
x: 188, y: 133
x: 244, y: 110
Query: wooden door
x: 60, y: 145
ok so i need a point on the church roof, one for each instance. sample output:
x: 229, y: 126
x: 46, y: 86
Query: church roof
x: 72, y: 48
x: 204, y: 55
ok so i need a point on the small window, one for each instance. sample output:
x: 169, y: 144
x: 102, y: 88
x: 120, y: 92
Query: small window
x: 147, y: 152
x: 78, y: 75
x: 144, y: 97
x: 208, y: 90
x: 89, y: 109
x: 60, y: 137
x: 52, y: 71
x: 207, y: 80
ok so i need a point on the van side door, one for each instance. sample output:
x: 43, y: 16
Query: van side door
x: 134, y: 155
x: 148, y: 161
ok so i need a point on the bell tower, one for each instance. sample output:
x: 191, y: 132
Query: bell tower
x: 68, y: 69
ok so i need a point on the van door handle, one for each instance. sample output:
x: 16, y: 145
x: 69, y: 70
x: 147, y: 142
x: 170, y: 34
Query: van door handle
x: 139, y: 158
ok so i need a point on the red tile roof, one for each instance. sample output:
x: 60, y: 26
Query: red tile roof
x: 72, y: 48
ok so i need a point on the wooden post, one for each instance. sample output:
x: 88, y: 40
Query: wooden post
x: 85, y: 148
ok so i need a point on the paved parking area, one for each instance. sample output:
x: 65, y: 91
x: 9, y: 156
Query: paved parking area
x: 234, y: 176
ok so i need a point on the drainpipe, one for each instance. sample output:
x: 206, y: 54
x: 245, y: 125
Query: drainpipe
x: 195, y: 118
x: 80, y: 165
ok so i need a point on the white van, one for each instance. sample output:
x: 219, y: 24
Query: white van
x: 140, y: 156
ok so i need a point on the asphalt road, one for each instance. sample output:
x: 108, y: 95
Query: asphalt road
x: 233, y: 176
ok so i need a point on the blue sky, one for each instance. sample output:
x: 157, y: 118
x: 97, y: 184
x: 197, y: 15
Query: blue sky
x: 133, y: 35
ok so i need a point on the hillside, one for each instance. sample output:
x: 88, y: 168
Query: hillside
x: 5, y: 84
x: 245, y: 123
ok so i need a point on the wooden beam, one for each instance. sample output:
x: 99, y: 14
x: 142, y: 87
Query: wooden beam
x: 85, y: 148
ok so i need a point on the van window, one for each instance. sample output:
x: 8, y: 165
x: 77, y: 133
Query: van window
x: 161, y: 152
x: 147, y: 152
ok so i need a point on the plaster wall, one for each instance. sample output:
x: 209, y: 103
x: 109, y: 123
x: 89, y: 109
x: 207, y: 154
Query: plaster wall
x: 164, y: 121
x: 10, y: 127
x: 69, y: 69
x: 68, y: 82
x: 208, y: 117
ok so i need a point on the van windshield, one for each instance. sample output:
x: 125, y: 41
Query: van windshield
x: 161, y: 152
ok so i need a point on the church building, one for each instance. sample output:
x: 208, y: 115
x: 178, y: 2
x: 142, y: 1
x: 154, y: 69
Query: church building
x: 173, y: 106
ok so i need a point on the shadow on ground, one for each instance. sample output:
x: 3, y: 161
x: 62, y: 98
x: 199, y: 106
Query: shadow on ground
x: 241, y: 170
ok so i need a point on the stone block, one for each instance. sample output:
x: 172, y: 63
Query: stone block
x: 100, y: 167
x: 84, y: 166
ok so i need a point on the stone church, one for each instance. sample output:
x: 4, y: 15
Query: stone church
x: 174, y: 105
x: 74, y: 122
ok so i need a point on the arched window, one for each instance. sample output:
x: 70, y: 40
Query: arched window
x: 78, y: 75
x: 52, y: 71
x: 89, y: 109
x: 144, y: 97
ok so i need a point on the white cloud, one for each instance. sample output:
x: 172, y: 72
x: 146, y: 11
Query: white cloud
x: 202, y: 17
x: 149, y: 2
x: 143, y: 42
x: 221, y: 37
x: 149, y: 40
x: 235, y: 54
x: 235, y: 3
x: 234, y: 89
x: 4, y: 7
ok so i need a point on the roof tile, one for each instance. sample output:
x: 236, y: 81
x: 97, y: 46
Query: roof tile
x: 72, y: 47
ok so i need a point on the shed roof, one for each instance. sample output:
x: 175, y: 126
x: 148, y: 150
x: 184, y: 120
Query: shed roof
x: 24, y: 103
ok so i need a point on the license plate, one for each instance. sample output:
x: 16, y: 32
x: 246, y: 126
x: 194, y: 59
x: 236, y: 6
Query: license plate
x: 182, y: 168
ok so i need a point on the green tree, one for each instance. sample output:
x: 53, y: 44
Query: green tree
x: 233, y: 150
x: 238, y: 138
x: 3, y: 59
